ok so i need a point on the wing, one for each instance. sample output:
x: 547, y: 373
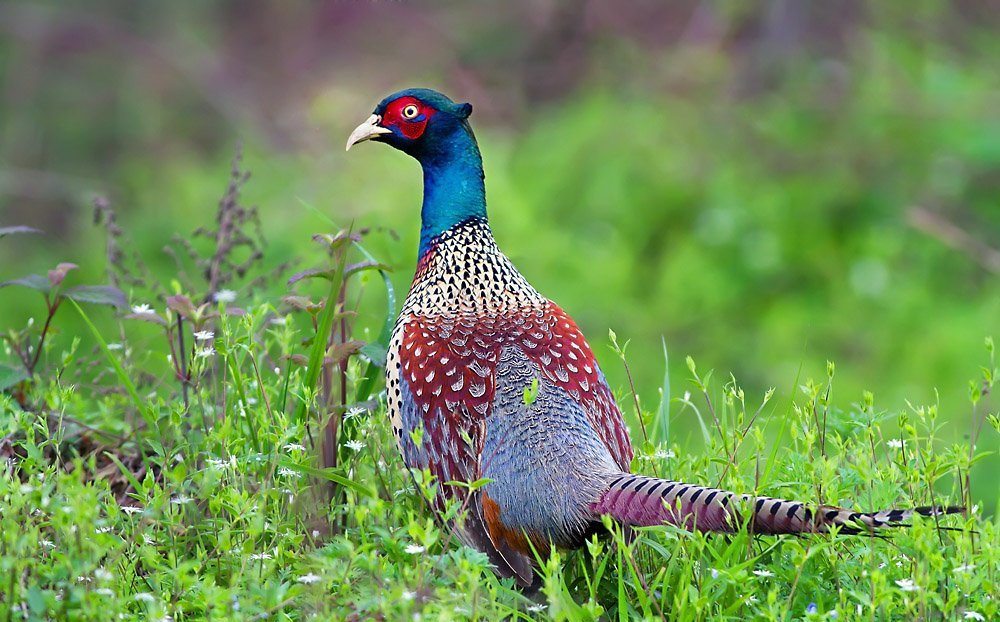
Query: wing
x: 448, y: 376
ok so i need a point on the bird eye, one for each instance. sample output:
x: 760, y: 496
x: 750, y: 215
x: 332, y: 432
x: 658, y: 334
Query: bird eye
x: 410, y: 111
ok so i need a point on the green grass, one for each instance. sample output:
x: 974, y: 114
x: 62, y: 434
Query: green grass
x: 126, y: 500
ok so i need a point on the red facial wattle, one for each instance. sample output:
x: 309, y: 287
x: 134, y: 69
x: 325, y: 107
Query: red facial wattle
x: 411, y: 127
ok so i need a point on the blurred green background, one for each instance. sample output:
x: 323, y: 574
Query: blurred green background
x: 767, y: 185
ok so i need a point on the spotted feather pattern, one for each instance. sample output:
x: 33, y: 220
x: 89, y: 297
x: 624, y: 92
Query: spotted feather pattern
x: 467, y: 303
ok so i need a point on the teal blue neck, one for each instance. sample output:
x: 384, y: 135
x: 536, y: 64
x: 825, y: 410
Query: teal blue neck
x: 454, y: 190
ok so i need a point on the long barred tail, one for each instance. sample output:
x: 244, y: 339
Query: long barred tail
x: 646, y: 501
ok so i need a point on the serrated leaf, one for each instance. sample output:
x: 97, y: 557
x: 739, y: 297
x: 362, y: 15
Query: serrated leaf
x: 311, y: 273
x: 376, y: 353
x: 10, y: 376
x: 147, y: 317
x: 33, y: 281
x: 5, y: 231
x: 340, y: 351
x: 98, y: 294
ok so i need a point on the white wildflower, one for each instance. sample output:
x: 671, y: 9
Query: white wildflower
x: 315, y: 533
x: 143, y: 308
x: 259, y: 556
x: 131, y: 509
x: 294, y: 447
x: 763, y: 573
x: 103, y: 591
x: 907, y: 585
x: 965, y: 568
x: 895, y: 443
x: 277, y: 370
x: 204, y: 335
x: 145, y: 597
x: 225, y: 295
x: 354, y: 411
x: 181, y: 500
x: 286, y: 472
x: 308, y: 579
x: 715, y: 573
x: 414, y: 549
x: 107, y: 529
x: 356, y: 445
x: 408, y: 595
x: 664, y: 454
x: 204, y: 353
x: 103, y: 575
x: 49, y: 544
x: 969, y: 614
x: 536, y: 608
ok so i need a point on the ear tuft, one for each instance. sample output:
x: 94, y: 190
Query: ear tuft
x: 463, y: 110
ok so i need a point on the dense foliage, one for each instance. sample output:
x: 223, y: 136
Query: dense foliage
x: 761, y: 187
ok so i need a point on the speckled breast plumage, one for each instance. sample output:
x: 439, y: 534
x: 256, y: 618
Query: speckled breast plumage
x: 466, y: 307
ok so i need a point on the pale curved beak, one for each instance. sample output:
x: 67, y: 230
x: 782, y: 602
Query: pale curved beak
x: 366, y: 131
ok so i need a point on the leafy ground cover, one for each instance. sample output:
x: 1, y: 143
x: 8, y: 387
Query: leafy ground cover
x: 197, y: 453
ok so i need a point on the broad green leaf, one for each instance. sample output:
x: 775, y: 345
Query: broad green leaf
x: 98, y: 294
x: 10, y: 376
x: 33, y: 281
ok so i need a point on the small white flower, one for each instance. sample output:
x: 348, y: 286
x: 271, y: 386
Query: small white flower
x: 763, y: 573
x: 131, y: 509
x: 103, y: 591
x: 294, y: 447
x: 259, y: 556
x: 414, y: 549
x: 315, y: 533
x: 537, y: 608
x: 225, y: 295
x: 204, y: 335
x: 286, y: 472
x: 143, y: 308
x: 895, y: 443
x: 751, y: 599
x: 907, y: 585
x: 969, y: 614
x: 408, y: 595
x: 354, y: 411
x: 356, y: 445
x: 715, y: 573
x: 145, y: 597
x: 277, y: 370
x: 204, y: 353
x: 181, y: 500
x: 965, y: 568
x: 49, y: 544
x: 308, y: 579
x: 664, y: 454
x: 107, y: 529
x: 103, y: 575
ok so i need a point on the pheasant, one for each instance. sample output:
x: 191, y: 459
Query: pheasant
x: 473, y: 334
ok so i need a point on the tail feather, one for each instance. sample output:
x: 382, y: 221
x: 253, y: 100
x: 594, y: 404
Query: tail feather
x: 646, y: 501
